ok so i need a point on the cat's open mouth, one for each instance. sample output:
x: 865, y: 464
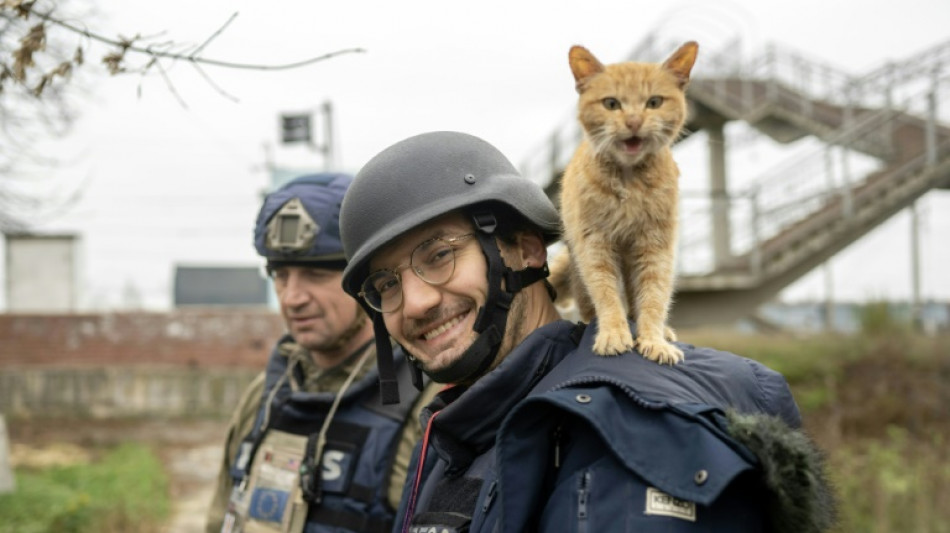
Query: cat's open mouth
x: 632, y: 145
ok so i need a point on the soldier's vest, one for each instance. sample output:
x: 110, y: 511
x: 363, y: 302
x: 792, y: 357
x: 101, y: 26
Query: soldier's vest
x: 279, y: 484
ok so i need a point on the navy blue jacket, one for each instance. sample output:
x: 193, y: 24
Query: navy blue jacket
x: 559, y: 439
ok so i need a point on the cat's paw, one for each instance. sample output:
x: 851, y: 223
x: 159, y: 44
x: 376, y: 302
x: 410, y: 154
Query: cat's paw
x: 659, y: 350
x: 669, y: 334
x: 613, y: 341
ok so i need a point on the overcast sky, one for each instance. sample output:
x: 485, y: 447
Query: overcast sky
x: 168, y: 183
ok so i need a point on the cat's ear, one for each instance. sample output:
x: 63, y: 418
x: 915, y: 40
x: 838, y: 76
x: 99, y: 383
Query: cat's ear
x: 681, y: 62
x: 583, y: 65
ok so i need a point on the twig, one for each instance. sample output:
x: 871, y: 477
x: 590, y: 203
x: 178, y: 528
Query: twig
x: 214, y: 35
x: 127, y: 45
x: 171, y: 86
x: 214, y: 85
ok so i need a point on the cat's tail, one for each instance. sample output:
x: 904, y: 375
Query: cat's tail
x: 560, y: 277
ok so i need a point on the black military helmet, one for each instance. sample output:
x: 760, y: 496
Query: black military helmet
x: 424, y: 177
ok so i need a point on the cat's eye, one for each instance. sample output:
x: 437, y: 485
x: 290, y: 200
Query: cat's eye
x: 611, y: 103
x: 654, y: 102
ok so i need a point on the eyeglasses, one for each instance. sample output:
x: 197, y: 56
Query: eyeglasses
x: 433, y: 261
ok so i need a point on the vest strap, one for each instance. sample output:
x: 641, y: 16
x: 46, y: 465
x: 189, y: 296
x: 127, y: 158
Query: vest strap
x: 350, y: 520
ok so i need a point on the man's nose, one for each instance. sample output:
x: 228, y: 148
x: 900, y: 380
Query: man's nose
x: 294, y: 293
x: 418, y: 297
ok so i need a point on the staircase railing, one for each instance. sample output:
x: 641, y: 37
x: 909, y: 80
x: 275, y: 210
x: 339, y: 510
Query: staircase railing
x: 798, y: 187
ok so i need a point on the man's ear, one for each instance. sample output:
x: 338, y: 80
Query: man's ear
x: 533, y: 251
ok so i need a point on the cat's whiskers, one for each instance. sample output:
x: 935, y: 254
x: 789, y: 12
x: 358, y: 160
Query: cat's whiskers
x: 601, y: 140
x: 682, y: 134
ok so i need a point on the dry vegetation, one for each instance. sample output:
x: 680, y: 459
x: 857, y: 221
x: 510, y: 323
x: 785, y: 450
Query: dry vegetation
x: 876, y: 403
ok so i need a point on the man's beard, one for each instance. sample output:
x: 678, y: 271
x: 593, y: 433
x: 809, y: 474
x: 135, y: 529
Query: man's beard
x: 341, y: 340
x: 514, y: 329
x: 514, y: 333
x: 415, y: 329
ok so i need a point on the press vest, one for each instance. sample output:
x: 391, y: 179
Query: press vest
x: 279, y: 485
x: 557, y: 438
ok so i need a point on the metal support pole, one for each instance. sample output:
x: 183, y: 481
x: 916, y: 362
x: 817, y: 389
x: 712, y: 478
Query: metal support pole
x: 931, y: 127
x: 829, y: 174
x: 847, y: 200
x: 720, y: 194
x: 329, y: 156
x: 806, y: 92
x: 847, y: 123
x: 829, y: 309
x: 756, y: 233
x: 915, y: 309
x: 889, y: 103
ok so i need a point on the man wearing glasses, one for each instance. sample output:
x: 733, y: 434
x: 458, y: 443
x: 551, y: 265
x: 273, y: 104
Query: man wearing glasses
x: 447, y: 249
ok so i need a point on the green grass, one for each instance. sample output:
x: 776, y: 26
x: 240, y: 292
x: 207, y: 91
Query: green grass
x: 875, y: 403
x: 894, y: 484
x: 125, y: 490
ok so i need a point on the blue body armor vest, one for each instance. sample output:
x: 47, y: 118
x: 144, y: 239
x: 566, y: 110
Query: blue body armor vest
x: 347, y: 491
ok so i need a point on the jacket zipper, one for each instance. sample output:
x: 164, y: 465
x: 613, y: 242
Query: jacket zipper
x: 557, y: 437
x: 583, y: 492
x: 490, y: 497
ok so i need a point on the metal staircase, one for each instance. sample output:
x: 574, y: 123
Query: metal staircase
x: 882, y: 144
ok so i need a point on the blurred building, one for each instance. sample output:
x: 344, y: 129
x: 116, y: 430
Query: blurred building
x: 219, y: 286
x: 42, y: 273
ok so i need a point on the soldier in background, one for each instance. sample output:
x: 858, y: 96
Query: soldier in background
x: 310, y: 447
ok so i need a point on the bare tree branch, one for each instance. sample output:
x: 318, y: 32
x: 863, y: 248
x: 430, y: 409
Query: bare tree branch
x: 128, y: 44
x: 171, y: 86
x: 38, y: 54
x: 214, y: 85
x: 215, y: 34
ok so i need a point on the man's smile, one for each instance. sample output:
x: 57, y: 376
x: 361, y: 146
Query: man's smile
x: 445, y: 326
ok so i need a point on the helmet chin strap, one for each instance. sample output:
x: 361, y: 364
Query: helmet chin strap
x: 492, y: 318
x: 388, y: 383
x: 503, y: 284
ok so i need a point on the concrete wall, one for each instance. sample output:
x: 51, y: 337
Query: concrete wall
x: 121, y: 392
x: 184, y: 363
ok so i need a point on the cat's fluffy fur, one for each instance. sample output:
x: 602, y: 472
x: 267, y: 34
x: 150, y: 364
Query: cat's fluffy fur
x: 619, y: 200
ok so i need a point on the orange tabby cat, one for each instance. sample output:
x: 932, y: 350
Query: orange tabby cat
x: 619, y: 200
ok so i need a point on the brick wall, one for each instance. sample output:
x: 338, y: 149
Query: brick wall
x: 194, y: 339
x: 178, y: 364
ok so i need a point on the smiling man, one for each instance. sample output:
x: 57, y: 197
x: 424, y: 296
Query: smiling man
x: 310, y: 446
x: 437, y: 325
x: 447, y: 253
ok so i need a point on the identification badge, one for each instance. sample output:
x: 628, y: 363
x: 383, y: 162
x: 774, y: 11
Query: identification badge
x: 272, y: 502
x: 662, y: 504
